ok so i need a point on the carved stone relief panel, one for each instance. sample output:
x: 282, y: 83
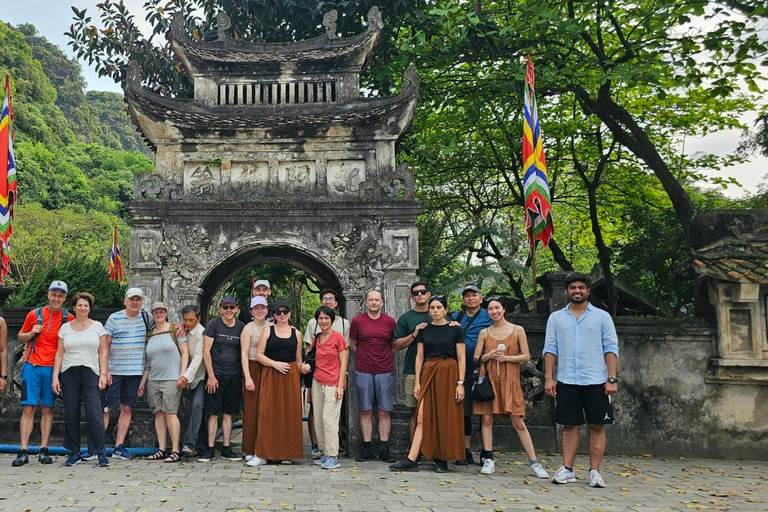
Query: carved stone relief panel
x: 202, y: 178
x: 151, y: 286
x: 248, y: 178
x: 144, y: 246
x: 403, y: 247
x: 345, y: 176
x: 297, y: 177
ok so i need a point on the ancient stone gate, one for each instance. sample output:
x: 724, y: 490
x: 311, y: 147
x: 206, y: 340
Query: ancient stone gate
x: 277, y: 158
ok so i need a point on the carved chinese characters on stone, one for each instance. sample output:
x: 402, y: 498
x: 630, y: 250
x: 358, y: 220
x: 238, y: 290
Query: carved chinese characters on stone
x: 202, y: 178
x: 248, y: 178
x: 297, y: 177
x: 345, y: 176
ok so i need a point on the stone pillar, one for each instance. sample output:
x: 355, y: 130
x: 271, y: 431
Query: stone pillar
x: 553, y: 284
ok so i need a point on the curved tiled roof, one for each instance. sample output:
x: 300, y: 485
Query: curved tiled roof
x: 323, y: 50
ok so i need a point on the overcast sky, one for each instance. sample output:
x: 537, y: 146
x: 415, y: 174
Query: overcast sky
x: 53, y: 17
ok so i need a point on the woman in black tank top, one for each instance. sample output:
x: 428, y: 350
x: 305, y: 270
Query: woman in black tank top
x: 279, y: 426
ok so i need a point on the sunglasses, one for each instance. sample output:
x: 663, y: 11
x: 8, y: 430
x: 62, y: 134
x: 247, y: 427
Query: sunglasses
x: 230, y: 306
x: 281, y: 312
x: 416, y: 293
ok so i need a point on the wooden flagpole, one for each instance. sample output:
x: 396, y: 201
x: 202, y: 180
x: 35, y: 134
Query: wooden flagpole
x: 533, y: 271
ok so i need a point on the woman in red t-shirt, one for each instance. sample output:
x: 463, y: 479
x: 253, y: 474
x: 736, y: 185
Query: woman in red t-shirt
x: 328, y: 385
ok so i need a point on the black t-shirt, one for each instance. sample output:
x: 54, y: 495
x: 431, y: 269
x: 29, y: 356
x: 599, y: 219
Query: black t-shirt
x: 225, y: 351
x: 440, y: 340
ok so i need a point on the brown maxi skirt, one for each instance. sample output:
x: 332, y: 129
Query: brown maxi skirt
x: 442, y: 417
x: 251, y: 409
x: 279, y: 424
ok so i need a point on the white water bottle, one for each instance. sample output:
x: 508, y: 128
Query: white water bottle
x: 501, y: 348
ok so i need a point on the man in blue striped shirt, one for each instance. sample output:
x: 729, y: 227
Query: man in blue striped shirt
x: 582, y: 340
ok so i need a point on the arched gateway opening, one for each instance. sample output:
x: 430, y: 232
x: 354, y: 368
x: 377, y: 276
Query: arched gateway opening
x: 276, y: 158
x: 250, y: 257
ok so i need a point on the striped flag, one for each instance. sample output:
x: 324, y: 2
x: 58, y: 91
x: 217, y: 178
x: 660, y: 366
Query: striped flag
x: 115, y: 261
x: 538, y: 210
x: 8, y: 187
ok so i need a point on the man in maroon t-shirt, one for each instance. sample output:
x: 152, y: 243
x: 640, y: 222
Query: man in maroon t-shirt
x: 370, y: 339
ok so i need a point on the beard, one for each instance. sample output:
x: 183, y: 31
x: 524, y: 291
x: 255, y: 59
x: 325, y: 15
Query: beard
x: 582, y: 300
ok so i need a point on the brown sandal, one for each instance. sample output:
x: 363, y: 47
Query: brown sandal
x: 173, y: 457
x: 159, y: 454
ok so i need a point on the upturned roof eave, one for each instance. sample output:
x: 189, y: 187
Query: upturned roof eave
x: 200, y: 56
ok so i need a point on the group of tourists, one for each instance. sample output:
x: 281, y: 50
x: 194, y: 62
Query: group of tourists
x: 258, y: 359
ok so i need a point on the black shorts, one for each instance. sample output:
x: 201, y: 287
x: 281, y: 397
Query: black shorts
x: 227, y: 398
x: 124, y: 390
x: 574, y: 402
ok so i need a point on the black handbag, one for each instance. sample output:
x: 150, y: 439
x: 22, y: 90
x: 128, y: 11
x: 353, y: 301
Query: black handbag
x: 309, y: 358
x: 482, y: 391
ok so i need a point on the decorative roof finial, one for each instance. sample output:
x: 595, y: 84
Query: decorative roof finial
x: 411, y: 78
x: 132, y: 75
x: 374, y: 18
x: 329, y: 22
x: 177, y: 26
x: 224, y: 22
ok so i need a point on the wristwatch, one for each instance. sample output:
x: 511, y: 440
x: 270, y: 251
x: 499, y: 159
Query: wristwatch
x: 4, y: 377
x: 460, y: 382
x: 612, y: 380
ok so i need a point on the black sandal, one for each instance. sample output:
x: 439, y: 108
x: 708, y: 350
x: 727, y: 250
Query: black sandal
x: 159, y: 454
x: 173, y: 457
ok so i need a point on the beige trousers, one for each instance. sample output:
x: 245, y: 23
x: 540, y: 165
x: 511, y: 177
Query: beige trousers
x: 327, y: 411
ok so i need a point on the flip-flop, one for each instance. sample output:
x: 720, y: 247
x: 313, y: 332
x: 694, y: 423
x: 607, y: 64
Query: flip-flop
x: 159, y: 454
x: 172, y: 457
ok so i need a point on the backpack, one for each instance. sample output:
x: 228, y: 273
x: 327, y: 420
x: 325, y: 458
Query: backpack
x: 39, y: 315
x: 171, y: 330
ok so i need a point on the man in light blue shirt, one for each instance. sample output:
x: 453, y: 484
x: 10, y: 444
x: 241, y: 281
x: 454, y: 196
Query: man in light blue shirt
x: 582, y: 340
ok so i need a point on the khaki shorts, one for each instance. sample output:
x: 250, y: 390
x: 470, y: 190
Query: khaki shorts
x: 163, y: 395
x: 410, y: 400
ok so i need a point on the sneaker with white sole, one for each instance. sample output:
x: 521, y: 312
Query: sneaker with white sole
x: 539, y: 470
x: 332, y: 463
x: 248, y: 457
x: 563, y: 476
x: 256, y: 461
x: 88, y: 456
x: 321, y: 460
x: 595, y: 480
x: 489, y: 467
x: 73, y: 460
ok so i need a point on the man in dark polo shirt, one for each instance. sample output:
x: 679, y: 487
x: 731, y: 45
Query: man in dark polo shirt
x: 224, y: 384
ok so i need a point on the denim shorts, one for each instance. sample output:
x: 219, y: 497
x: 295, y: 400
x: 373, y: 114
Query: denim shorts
x: 378, y: 386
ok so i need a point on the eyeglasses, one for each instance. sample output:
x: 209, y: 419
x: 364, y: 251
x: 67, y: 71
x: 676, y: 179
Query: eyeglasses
x: 230, y: 306
x: 281, y: 312
x: 416, y: 293
x: 328, y: 299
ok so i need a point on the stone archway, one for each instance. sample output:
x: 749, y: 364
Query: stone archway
x: 277, y: 156
x: 271, y: 252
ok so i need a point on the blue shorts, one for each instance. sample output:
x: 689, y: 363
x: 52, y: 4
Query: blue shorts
x: 124, y: 390
x: 380, y: 386
x: 36, y: 385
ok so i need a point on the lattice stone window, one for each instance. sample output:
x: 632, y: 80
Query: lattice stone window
x: 276, y: 93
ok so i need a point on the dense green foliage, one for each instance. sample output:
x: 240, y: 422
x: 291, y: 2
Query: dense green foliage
x: 74, y: 171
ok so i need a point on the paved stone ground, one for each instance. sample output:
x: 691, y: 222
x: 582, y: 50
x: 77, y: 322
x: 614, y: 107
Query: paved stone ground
x: 634, y: 483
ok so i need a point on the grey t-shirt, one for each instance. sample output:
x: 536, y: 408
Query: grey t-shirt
x: 225, y: 351
x: 163, y: 357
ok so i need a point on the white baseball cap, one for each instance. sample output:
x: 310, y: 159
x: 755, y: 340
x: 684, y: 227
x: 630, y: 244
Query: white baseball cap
x: 59, y: 285
x: 134, y: 292
x: 261, y: 282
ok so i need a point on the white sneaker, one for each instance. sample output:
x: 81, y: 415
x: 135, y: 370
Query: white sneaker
x: 248, y: 457
x: 256, y: 461
x: 539, y: 470
x: 595, y: 480
x: 563, y: 476
x: 489, y: 467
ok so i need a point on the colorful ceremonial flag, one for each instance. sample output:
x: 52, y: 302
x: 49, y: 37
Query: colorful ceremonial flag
x: 538, y: 210
x: 7, y: 181
x: 115, y: 262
